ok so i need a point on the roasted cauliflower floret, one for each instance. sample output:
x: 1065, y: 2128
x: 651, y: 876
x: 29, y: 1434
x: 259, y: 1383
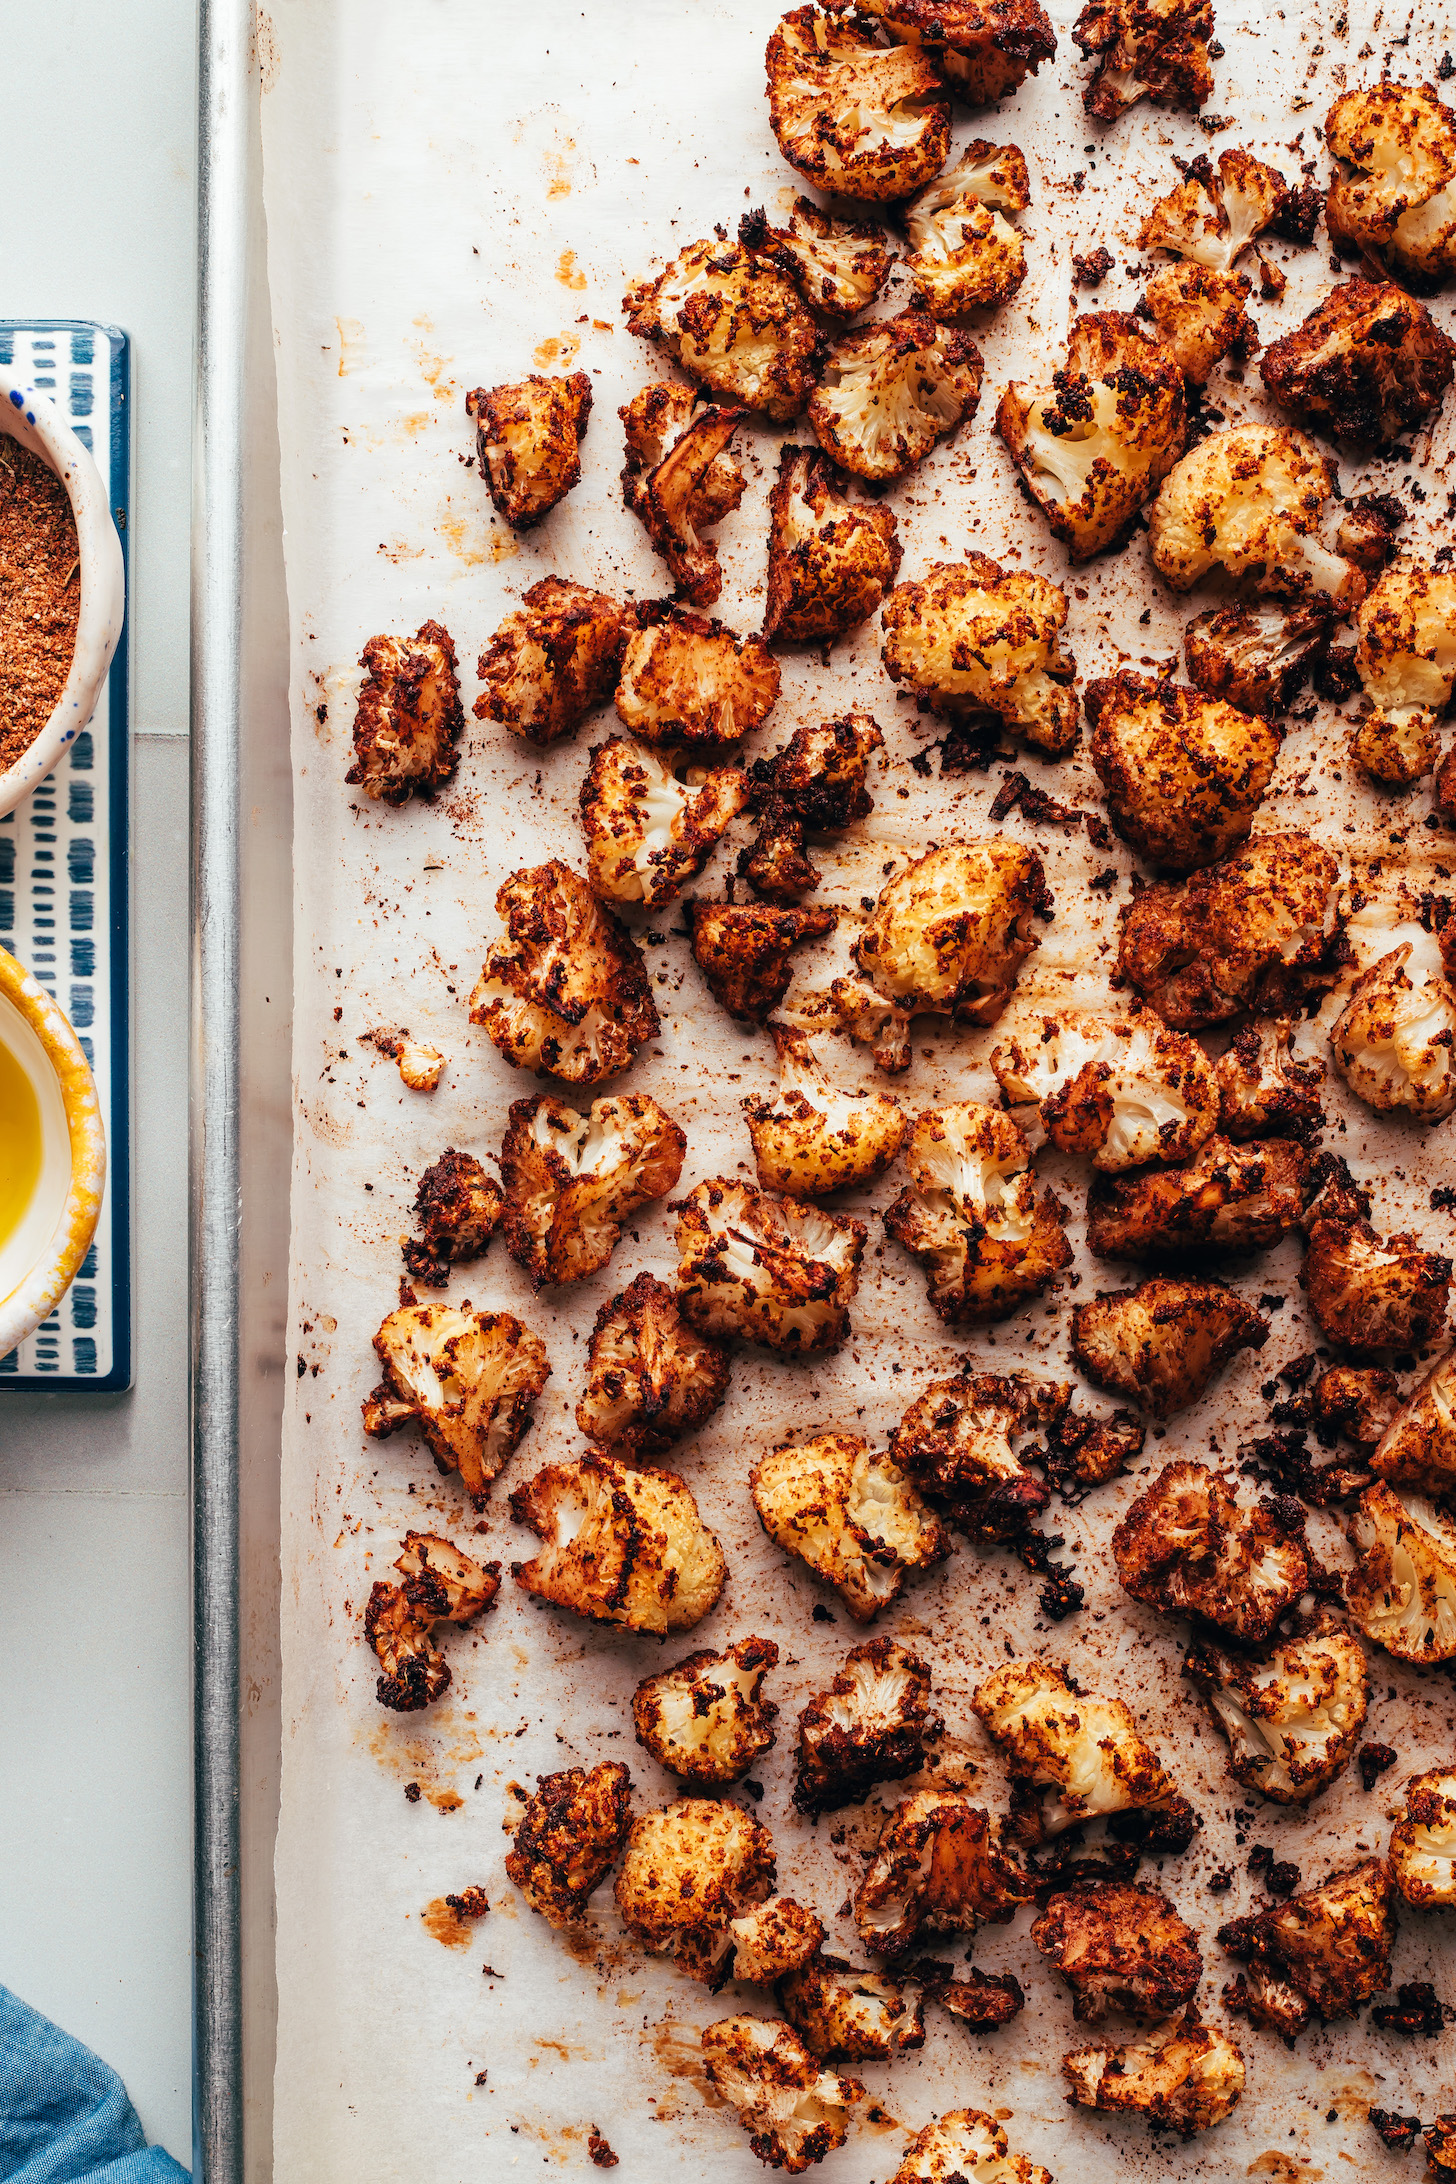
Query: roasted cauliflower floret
x: 858, y: 118
x: 815, y: 1139
x: 1418, y: 1445
x: 966, y: 2147
x: 1212, y: 216
x: 1249, y: 500
x: 1406, y: 661
x: 408, y: 721
x: 569, y: 1838
x: 705, y: 1720
x: 887, y: 393
x: 870, y: 1726
x: 528, y: 437
x: 838, y: 268
x: 1394, y: 185
x: 647, y: 833
x: 1089, y: 1751
x: 1146, y: 49
x: 459, y: 1207
x: 1126, y: 1093
x: 1229, y: 1198
x: 618, y: 1545
x: 420, y: 1067
x: 1374, y: 1292
x: 1187, y: 2080
x: 830, y: 560
x: 1184, y: 773
x: 650, y: 1377
x: 1162, y: 1343
x: 1186, y: 1547
x: 850, y: 1514
x: 1252, y: 933
x: 964, y: 252
x: 937, y: 1869
x: 733, y: 323
x: 679, y: 478
x: 552, y: 661
x: 794, y: 2109
x: 1120, y: 1948
x: 774, y: 1939
x: 956, y: 1443
x: 815, y: 785
x: 1324, y: 1952
x: 467, y: 1379
x: 972, y: 1217
x: 1292, y: 1720
x: 1256, y: 655
x: 1402, y: 1591
x: 1200, y: 317
x: 845, y: 2015
x: 769, y: 1270
x: 571, y: 1180
x: 972, y: 636
x: 983, y: 48
x: 686, y: 1872
x: 565, y: 993
x: 981, y: 2001
x: 441, y: 1584
x: 1094, y: 446
x: 1368, y: 364
x: 1422, y: 1854
x: 743, y: 951
x: 688, y: 680
x: 1360, y: 1401
x: 949, y: 933
x: 1263, y: 1091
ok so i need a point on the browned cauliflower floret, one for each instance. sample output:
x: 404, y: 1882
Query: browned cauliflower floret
x: 1323, y: 1953
x: 981, y: 2001
x: 552, y: 661
x: 1292, y: 1720
x: 1406, y: 661
x: 814, y: 785
x: 1094, y: 446
x: 972, y: 1217
x: 949, y: 933
x: 1402, y: 1591
x: 743, y: 950
x: 955, y: 1443
x: 1162, y: 1343
x: 1120, y: 1948
x: 870, y: 1726
x: 1126, y: 1093
x: 858, y: 118
x: 983, y: 48
x: 1212, y: 216
x: 1360, y: 1401
x: 773, y: 1939
x: 1200, y: 317
x: 1249, y: 500
x: 1146, y: 49
x: 618, y: 1545
x: 1368, y: 364
x: 1422, y: 1855
x: 1184, y: 773
x: 845, y: 2015
x: 1374, y: 1292
x: 1088, y: 1750
x: 887, y: 393
x: 1257, y: 654
x: 769, y: 1270
x: 814, y: 1138
x: 680, y: 478
x: 1252, y: 933
x: 838, y: 268
x: 441, y: 1584
x: 647, y: 832
x: 974, y: 637
x: 1186, y: 1547
x: 937, y: 1869
x: 420, y: 1067
x: 467, y: 1379
x: 850, y: 1514
x: 705, y: 1720
x: 565, y: 993
x: 794, y: 2109
x: 408, y: 721
x: 1418, y: 1445
x: 964, y: 253
x: 528, y: 437
x: 686, y: 1872
x: 569, y: 1838
x: 966, y: 2147
x: 1394, y: 1042
x: 1228, y: 1198
x: 689, y: 680
x: 650, y: 1377
x: 733, y: 323
x: 1394, y: 185
x: 1188, y: 2080
x: 1263, y: 1091
x: 830, y: 560
x: 571, y: 1180
x: 875, y: 1022
x: 459, y: 1206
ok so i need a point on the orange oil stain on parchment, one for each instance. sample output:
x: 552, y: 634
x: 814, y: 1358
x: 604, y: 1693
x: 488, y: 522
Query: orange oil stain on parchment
x: 351, y: 344
x: 555, y: 349
x: 434, y: 370
x: 679, y: 2049
x: 568, y: 272
x: 446, y: 1924
x: 1284, y: 2168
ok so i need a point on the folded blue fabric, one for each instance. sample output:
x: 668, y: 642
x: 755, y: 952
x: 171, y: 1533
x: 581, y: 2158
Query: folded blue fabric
x: 63, y: 2114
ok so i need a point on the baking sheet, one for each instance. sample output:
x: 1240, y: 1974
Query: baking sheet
x: 456, y: 196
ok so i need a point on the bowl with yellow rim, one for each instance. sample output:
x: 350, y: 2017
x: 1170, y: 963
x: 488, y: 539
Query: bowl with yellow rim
x: 52, y: 1154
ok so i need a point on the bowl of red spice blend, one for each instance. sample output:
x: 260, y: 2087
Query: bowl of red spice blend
x: 62, y: 589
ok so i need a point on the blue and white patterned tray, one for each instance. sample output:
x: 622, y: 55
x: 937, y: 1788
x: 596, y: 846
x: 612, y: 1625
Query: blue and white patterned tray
x: 63, y: 878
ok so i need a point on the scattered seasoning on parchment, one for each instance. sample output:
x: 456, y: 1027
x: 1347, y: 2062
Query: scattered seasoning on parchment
x: 601, y: 2153
x: 40, y: 596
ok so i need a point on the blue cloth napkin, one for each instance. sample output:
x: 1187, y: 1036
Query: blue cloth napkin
x: 63, y: 2114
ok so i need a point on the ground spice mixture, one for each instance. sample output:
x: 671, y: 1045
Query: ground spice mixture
x: 40, y: 596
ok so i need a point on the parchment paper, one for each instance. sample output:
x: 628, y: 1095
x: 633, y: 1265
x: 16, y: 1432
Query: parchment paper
x: 455, y: 194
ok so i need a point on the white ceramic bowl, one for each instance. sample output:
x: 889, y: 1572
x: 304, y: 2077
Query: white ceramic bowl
x: 27, y: 417
x: 42, y: 1255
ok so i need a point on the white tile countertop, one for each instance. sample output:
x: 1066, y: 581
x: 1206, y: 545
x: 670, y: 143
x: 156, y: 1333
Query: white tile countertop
x: 97, y: 118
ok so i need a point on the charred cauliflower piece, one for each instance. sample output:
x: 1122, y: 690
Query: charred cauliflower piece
x: 1393, y: 191
x: 686, y: 1872
x: 1368, y: 364
x: 982, y: 2001
x: 688, y: 680
x: 1402, y: 1591
x: 441, y: 1584
x: 1184, y: 773
x: 733, y: 323
x: 1371, y: 1292
x: 815, y: 1139
x: 459, y: 1206
x: 618, y: 1545
x: 1186, y: 1547
x: 1262, y: 1090
x: 851, y: 1515
x: 1323, y: 1953
x: 467, y: 1379
x: 857, y: 118
x: 1360, y: 1401
x: 1237, y: 1198
x: 870, y: 1726
x: 1215, y: 213
x: 983, y: 48
x: 769, y: 1270
x: 795, y: 2111
x: 773, y: 1939
x: 937, y: 1869
x: 887, y: 393
x: 838, y: 268
x: 569, y: 1838
x: 565, y: 993
x: 1249, y: 500
x: 814, y: 785
x: 1094, y: 446
x: 949, y: 933
x: 1199, y: 316
x: 964, y: 252
x: 679, y: 478
x: 972, y: 1218
x: 1126, y: 1093
x: 1120, y: 1948
x: 1162, y: 1343
x: 966, y: 2147
x: 647, y: 833
x: 1187, y: 2081
x: 845, y: 2015
x: 571, y: 1180
x: 1394, y: 1042
x: 743, y: 951
x: 528, y: 437
x: 408, y: 720
x: 705, y: 1720
x: 1256, y: 655
x: 1089, y: 1751
x: 552, y: 661
x: 1422, y: 1855
x: 1406, y: 661
x: 956, y: 1444
x: 974, y: 637
x: 650, y: 1377
x: 1418, y: 1445
x: 830, y: 560
x: 1146, y: 49
x: 1293, y: 1719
